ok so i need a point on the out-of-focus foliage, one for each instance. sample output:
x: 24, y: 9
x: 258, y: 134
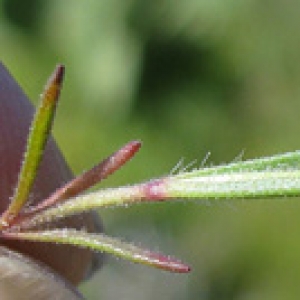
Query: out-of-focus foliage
x: 186, y: 77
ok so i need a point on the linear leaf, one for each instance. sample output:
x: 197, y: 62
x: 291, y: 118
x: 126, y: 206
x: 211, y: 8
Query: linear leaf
x: 38, y: 135
x: 103, y: 243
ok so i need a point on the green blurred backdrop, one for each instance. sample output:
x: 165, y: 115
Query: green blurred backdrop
x: 187, y: 78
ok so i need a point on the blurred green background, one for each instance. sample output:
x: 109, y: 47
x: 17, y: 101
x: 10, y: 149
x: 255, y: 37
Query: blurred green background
x: 187, y: 78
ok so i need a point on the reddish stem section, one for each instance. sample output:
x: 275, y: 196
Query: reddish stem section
x: 155, y: 190
x: 91, y: 177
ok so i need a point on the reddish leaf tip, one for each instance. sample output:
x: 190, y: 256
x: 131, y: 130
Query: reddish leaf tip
x: 155, y: 190
x: 169, y: 263
x: 130, y: 149
x: 53, y: 86
x: 54, y: 83
x: 58, y: 74
x: 135, y: 144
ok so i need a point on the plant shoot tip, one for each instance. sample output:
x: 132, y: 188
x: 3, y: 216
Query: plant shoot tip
x: 58, y: 74
x: 168, y: 263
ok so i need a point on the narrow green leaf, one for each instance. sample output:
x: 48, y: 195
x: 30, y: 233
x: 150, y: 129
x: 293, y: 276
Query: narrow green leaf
x: 37, y: 139
x: 103, y: 243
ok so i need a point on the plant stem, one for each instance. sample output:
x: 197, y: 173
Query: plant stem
x: 278, y: 176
